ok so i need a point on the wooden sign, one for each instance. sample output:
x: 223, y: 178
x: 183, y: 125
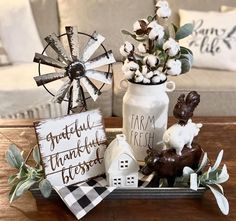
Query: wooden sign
x: 72, y: 147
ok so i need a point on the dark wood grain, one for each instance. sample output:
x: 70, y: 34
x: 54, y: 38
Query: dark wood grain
x: 216, y: 134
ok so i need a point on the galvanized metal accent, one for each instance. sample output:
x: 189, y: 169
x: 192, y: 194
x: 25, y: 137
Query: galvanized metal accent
x: 142, y: 193
x: 92, y: 45
x: 90, y: 87
x: 73, y: 40
x: 61, y: 93
x: 101, y: 60
x: 43, y: 59
x: 47, y: 78
x: 77, y: 67
x: 101, y: 76
x: 75, y: 93
x: 57, y: 46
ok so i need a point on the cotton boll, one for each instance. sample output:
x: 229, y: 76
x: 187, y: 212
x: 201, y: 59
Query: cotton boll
x: 129, y: 69
x: 126, y: 49
x: 162, y: 76
x: 140, y: 26
x: 146, y: 81
x: 163, y: 12
x: 163, y: 9
x: 162, y: 3
x: 156, y: 72
x: 130, y: 66
x: 151, y: 60
x: 173, y: 67
x: 171, y: 47
x: 128, y: 75
x: 153, y: 24
x: 156, y: 79
x: 138, y: 77
x: 144, y: 69
x: 156, y: 32
x: 149, y: 75
x: 142, y: 48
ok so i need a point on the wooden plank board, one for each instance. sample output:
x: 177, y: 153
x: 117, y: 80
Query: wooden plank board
x: 72, y: 147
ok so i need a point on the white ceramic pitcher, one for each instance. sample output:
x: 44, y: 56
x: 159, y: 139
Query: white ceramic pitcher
x: 145, y: 114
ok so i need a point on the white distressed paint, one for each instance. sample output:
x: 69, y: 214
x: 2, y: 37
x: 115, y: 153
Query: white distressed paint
x: 101, y: 60
x: 75, y: 143
x: 92, y: 45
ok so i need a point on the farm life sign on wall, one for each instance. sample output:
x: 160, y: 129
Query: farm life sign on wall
x: 72, y: 147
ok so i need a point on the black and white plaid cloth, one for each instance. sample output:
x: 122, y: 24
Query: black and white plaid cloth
x: 82, y: 198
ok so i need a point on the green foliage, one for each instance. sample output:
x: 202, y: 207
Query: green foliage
x: 184, y: 31
x: 27, y: 176
x: 36, y: 155
x: 45, y: 188
x: 150, y: 18
x: 211, y: 178
x: 14, y: 157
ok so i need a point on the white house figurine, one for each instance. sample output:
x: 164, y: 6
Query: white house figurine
x: 178, y: 135
x: 120, y: 164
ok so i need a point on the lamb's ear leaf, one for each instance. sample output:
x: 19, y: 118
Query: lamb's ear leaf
x: 184, y: 31
x: 223, y: 176
x: 36, y: 154
x: 218, y: 161
x: 221, y: 200
x: 24, y: 186
x: 12, y: 195
x: 203, y: 163
x: 14, y: 157
x: 187, y: 171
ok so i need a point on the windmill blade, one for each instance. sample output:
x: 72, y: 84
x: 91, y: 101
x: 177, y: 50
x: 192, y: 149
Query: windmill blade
x: 101, y: 60
x: 57, y: 46
x: 92, y: 45
x: 43, y: 59
x: 75, y: 93
x: 73, y: 40
x: 90, y: 87
x: 47, y: 78
x: 102, y: 76
x: 61, y: 93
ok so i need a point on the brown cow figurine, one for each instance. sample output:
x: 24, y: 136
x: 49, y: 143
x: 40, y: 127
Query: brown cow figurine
x: 167, y: 164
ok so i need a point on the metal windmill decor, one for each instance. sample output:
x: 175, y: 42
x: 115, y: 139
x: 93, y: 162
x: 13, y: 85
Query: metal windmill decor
x: 77, y: 68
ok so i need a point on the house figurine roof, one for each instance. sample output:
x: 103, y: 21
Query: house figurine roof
x: 116, y: 148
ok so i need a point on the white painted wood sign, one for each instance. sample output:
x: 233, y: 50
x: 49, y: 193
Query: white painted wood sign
x: 72, y: 147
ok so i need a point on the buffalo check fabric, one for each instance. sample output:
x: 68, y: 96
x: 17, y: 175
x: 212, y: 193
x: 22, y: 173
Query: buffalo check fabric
x: 83, y: 197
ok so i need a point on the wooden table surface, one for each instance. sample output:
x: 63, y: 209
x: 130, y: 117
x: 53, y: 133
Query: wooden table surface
x: 217, y: 134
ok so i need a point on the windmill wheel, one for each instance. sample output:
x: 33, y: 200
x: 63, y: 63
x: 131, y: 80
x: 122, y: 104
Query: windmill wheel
x: 76, y: 67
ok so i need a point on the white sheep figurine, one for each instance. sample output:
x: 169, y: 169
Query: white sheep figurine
x: 178, y: 136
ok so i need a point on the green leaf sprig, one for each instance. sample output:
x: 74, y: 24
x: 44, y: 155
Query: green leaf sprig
x: 27, y: 177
